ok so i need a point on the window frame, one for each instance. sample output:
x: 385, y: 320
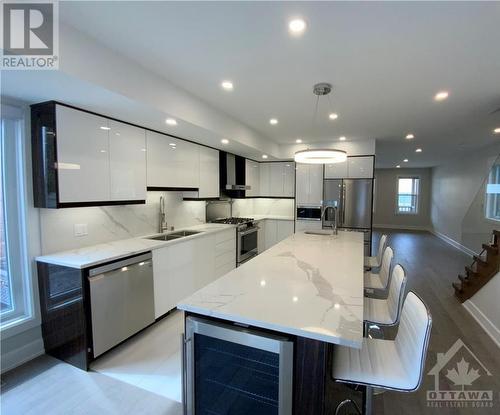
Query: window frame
x: 419, y: 192
x: 496, y: 198
x: 27, y: 239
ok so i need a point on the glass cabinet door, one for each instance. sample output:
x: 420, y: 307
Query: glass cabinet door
x: 234, y: 379
x: 233, y: 371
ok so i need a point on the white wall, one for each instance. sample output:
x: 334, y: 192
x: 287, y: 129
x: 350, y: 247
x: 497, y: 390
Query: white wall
x: 110, y: 223
x: 386, y: 185
x: 458, y: 194
x: 485, y: 308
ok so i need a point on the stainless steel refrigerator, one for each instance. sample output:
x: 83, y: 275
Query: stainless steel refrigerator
x: 353, y: 197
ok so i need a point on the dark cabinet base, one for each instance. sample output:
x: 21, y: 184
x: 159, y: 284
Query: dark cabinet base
x: 63, y: 301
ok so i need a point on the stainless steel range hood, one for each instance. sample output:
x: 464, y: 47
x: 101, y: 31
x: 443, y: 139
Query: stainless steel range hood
x: 232, y: 174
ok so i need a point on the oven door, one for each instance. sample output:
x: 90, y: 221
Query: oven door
x: 247, y: 244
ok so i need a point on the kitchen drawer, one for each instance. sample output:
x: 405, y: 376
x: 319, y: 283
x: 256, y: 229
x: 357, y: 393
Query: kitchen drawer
x: 225, y: 235
x: 226, y: 246
x: 228, y: 257
x: 224, y: 269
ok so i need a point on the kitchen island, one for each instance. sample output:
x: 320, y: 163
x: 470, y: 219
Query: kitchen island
x: 307, y: 289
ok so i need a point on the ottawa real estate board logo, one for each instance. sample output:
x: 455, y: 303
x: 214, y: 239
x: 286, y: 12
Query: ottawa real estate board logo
x: 30, y: 35
x: 457, y: 376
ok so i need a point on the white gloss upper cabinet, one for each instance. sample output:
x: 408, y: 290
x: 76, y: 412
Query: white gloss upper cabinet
x: 82, y: 156
x: 360, y: 167
x: 316, y: 184
x: 309, y: 185
x: 264, y: 179
x: 289, y: 179
x: 172, y: 162
x: 277, y: 179
x: 209, y: 172
x: 252, y: 178
x: 127, y: 161
x: 336, y: 171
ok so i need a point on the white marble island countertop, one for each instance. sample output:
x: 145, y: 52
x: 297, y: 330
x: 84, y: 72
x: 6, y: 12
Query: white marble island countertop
x: 306, y: 285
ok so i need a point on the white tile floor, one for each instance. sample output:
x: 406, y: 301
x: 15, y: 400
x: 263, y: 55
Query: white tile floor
x: 151, y: 360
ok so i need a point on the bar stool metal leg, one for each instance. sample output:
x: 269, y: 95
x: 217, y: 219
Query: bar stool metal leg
x: 345, y: 402
x: 367, y: 400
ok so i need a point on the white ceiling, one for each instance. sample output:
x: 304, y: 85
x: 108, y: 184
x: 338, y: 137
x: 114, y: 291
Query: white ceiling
x: 385, y: 61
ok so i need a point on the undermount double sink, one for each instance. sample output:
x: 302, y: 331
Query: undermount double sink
x: 173, y: 235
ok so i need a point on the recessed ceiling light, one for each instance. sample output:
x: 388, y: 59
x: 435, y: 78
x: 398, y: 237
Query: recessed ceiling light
x: 418, y: 150
x: 105, y: 128
x: 410, y: 136
x: 227, y: 85
x: 333, y: 116
x: 405, y: 160
x: 273, y: 121
x: 224, y: 141
x: 298, y: 141
x: 297, y: 26
x: 497, y: 130
x: 171, y: 121
x: 441, y: 96
x: 398, y: 166
x: 264, y: 156
x: 342, y: 138
x: 172, y: 144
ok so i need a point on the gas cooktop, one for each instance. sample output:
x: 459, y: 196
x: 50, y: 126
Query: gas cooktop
x: 233, y: 221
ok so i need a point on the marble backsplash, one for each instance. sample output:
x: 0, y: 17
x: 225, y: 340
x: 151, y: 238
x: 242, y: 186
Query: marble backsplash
x: 110, y: 223
x: 249, y: 207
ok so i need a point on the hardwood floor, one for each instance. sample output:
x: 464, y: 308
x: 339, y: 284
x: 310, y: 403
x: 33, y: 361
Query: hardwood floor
x: 431, y: 266
x: 48, y: 386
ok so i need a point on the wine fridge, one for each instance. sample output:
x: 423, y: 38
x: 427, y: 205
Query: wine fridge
x: 232, y: 370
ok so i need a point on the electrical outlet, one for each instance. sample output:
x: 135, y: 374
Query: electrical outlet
x: 80, y: 229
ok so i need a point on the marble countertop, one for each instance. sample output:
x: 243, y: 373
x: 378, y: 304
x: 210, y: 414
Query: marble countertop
x: 274, y: 217
x: 306, y: 285
x: 97, y: 254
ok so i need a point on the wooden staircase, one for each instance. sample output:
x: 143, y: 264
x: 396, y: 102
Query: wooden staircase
x: 484, y: 267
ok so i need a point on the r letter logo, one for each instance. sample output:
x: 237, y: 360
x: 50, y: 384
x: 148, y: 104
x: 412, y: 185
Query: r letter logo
x: 29, y: 35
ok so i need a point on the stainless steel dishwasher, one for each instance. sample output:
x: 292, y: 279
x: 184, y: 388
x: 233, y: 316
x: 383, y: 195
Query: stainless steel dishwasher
x: 121, y: 300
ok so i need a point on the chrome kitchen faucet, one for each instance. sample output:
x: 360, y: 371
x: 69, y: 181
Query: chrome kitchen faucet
x: 163, y: 218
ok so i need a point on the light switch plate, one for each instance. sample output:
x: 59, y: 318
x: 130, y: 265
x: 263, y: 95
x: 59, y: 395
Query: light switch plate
x: 80, y: 229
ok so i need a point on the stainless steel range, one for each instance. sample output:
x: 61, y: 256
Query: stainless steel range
x: 246, y: 237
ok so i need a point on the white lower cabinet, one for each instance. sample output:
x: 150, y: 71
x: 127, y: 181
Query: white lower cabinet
x: 273, y: 231
x: 284, y: 229
x: 182, y: 268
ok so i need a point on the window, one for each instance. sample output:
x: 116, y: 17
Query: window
x: 493, y: 194
x: 407, y: 197
x: 16, y: 303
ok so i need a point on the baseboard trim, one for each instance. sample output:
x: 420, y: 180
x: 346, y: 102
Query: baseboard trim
x: 490, y: 329
x: 453, y: 243
x: 21, y: 355
x: 403, y: 227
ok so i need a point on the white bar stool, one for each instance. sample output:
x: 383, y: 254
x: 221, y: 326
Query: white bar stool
x: 376, y: 261
x: 377, y: 284
x: 386, y: 313
x: 394, y: 365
